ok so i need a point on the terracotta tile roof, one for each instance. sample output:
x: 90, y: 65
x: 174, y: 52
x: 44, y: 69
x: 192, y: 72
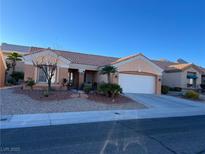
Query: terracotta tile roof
x: 81, y: 58
x: 125, y: 58
x: 174, y: 66
x: 12, y: 47
x: 179, y: 66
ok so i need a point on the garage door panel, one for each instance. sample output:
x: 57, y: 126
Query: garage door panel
x: 131, y: 83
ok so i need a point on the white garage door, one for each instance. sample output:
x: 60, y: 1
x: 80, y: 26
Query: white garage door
x: 137, y: 83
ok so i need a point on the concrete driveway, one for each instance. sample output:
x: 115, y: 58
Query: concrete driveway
x: 163, y: 101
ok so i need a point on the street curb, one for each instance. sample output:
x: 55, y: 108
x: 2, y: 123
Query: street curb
x: 50, y: 119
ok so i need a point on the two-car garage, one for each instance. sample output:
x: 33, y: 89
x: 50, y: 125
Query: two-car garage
x: 132, y: 83
x: 138, y: 74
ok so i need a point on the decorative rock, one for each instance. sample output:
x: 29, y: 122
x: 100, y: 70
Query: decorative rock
x: 76, y: 95
x: 83, y: 95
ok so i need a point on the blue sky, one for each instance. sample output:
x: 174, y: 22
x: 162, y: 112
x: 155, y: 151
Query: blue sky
x: 167, y: 29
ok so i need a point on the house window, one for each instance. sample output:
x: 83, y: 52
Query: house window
x: 42, y: 77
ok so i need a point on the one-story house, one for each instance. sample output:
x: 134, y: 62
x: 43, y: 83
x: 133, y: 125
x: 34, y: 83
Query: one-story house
x: 181, y: 74
x: 136, y: 77
x: 135, y: 74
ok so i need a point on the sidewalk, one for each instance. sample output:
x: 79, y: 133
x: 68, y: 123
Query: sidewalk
x: 47, y: 119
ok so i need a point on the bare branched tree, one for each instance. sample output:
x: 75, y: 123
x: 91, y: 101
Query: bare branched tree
x: 48, y: 64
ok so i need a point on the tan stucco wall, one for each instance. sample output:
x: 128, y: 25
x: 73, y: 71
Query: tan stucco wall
x: 138, y: 65
x: 179, y: 79
x: 63, y: 73
x: 173, y: 79
x: 29, y: 72
x: 2, y: 70
x: 158, y: 84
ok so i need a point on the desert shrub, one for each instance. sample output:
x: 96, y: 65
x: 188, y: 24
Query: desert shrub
x: 17, y: 76
x: 30, y: 83
x: 110, y: 90
x: 165, y: 89
x: 87, y: 87
x: 191, y: 94
x: 11, y: 81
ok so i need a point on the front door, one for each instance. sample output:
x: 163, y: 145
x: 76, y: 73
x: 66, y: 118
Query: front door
x: 73, y: 78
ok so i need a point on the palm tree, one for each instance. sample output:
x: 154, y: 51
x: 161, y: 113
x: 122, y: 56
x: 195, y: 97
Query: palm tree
x: 13, y: 58
x: 108, y: 69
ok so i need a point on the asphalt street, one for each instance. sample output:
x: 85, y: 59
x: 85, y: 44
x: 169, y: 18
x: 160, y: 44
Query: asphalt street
x: 184, y: 135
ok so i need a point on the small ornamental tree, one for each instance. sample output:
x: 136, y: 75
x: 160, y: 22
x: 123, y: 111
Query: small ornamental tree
x: 108, y: 69
x: 48, y: 64
x: 13, y: 58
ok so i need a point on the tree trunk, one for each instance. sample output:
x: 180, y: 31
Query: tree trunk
x: 108, y: 78
x: 49, y: 84
x: 13, y: 66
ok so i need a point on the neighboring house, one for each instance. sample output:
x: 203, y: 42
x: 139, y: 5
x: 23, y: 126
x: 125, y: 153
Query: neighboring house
x: 2, y: 70
x: 6, y: 49
x: 181, y: 74
x: 136, y: 74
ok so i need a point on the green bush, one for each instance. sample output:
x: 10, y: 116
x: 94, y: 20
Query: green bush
x: 165, y: 89
x: 87, y: 88
x: 110, y: 90
x: 11, y: 81
x: 17, y: 76
x: 30, y: 83
x: 191, y: 95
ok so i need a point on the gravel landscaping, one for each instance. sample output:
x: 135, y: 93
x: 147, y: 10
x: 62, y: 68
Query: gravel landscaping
x: 12, y: 102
